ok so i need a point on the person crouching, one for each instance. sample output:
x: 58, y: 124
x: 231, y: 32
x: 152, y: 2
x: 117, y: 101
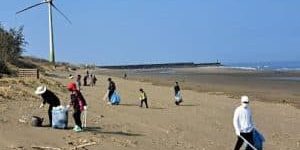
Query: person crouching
x: 79, y: 104
x: 48, y: 97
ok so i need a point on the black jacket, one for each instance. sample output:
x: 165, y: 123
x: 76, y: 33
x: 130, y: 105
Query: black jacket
x: 176, y: 89
x: 112, y: 86
x: 50, y: 98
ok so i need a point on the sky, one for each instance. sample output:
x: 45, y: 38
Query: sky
x: 114, y: 32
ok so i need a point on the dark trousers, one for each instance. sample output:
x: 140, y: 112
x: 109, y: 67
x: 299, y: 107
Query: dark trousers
x: 77, y: 119
x: 50, y: 114
x: 240, y: 141
x: 110, y: 93
x: 178, y: 102
x: 144, y: 101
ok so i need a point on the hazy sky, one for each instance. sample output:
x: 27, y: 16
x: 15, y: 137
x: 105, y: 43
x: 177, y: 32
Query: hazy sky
x: 109, y: 32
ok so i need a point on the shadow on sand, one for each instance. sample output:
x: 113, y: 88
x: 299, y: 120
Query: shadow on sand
x: 48, y: 126
x: 156, y: 107
x: 189, y: 105
x: 137, y: 105
x: 97, y: 130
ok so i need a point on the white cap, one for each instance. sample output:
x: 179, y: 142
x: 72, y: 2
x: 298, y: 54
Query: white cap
x: 40, y: 90
x: 244, y: 99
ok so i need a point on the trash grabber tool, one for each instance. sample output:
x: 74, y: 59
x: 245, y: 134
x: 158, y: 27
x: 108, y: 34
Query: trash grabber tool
x: 248, y: 143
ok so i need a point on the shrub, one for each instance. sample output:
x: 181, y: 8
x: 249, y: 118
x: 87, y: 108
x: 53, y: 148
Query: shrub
x: 12, y: 44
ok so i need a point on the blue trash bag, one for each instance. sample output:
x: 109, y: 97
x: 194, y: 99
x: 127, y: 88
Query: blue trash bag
x: 258, y: 139
x: 115, y: 99
x: 60, y: 117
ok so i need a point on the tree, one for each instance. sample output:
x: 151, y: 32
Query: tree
x: 12, y: 44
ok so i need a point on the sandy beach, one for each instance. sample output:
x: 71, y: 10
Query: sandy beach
x: 197, y: 64
x: 202, y: 122
x: 265, y: 86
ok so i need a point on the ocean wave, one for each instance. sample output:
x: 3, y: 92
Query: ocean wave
x: 288, y: 69
x: 239, y: 68
x: 269, y: 66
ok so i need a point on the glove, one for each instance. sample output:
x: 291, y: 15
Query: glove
x: 237, y: 133
x: 84, y: 107
x: 42, y: 105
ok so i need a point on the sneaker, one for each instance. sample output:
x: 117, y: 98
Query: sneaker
x: 77, y: 128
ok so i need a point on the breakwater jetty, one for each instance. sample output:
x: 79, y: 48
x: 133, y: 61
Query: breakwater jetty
x: 162, y: 65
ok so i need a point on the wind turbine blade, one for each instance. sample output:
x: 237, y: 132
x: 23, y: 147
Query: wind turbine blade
x: 30, y: 7
x: 61, y: 13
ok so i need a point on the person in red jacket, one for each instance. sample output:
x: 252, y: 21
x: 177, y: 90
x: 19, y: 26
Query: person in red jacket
x: 79, y: 105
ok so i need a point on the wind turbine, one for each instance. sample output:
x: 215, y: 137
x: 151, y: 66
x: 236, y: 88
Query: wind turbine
x: 51, y: 40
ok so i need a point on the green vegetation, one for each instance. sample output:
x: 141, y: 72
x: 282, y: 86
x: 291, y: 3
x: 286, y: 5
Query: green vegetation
x: 12, y: 44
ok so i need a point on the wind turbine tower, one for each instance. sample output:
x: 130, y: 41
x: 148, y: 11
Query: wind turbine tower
x: 51, y: 37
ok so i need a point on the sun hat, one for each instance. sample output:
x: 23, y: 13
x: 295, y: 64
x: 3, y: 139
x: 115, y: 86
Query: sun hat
x: 71, y: 76
x: 71, y: 86
x: 40, y: 90
x: 244, y: 99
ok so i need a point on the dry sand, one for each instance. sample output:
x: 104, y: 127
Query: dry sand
x: 203, y: 121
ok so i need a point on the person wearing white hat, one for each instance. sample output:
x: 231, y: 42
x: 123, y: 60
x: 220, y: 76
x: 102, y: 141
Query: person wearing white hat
x: 48, y: 97
x: 243, y: 123
x: 71, y: 76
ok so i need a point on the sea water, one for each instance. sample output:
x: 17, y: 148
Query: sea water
x: 276, y: 66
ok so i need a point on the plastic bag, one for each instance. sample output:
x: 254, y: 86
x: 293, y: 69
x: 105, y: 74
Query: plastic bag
x: 178, y: 97
x: 258, y: 139
x: 60, y: 117
x: 115, y: 99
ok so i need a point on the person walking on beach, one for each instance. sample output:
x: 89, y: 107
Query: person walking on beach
x: 143, y: 98
x: 111, y: 88
x: 243, y: 123
x: 78, y: 82
x: 79, y: 105
x: 178, y: 96
x: 85, y: 78
x: 87, y: 71
x: 94, y: 79
x: 48, y: 97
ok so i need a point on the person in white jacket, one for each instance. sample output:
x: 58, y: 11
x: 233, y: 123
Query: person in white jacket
x: 243, y: 123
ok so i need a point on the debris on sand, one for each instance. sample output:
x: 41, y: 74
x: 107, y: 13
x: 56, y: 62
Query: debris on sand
x: 45, y: 148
